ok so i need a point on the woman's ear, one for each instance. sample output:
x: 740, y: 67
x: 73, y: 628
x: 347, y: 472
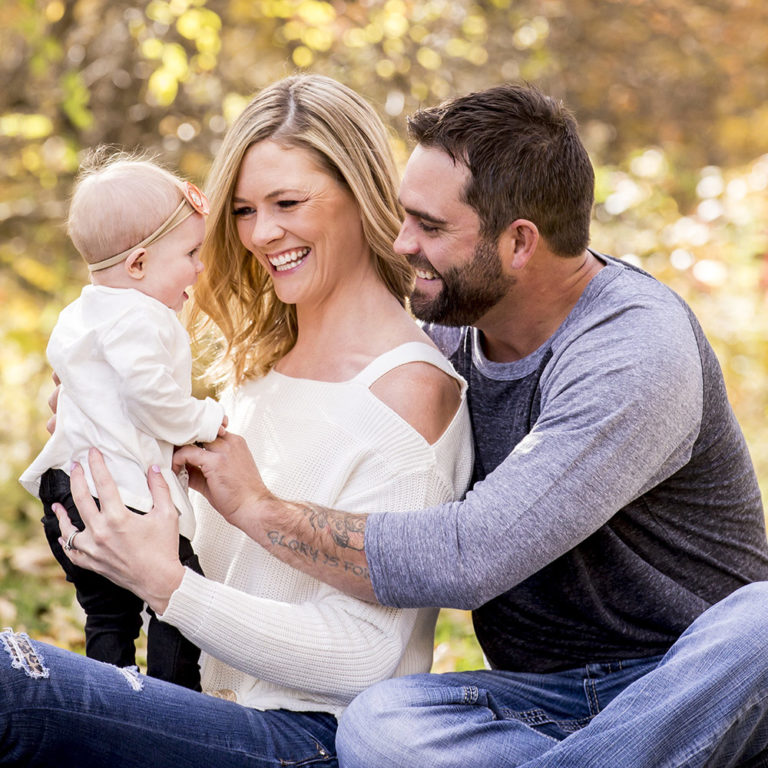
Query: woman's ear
x: 518, y: 243
x: 134, y: 264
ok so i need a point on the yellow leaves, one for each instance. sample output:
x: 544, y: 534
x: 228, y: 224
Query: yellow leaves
x: 474, y: 25
x: 232, y: 105
x: 354, y: 38
x: 457, y: 48
x: 394, y: 25
x: 163, y: 83
x: 165, y: 12
x: 318, y: 39
x: 429, y: 58
x: 394, y: 47
x: 25, y: 126
x: 203, y: 26
x: 198, y: 24
x: 36, y: 273
x: 54, y: 11
x: 159, y: 11
x: 152, y: 48
x: 316, y: 13
x: 531, y: 34
x: 302, y: 56
x: 281, y: 9
x: 477, y: 55
x: 163, y: 87
x: 385, y: 68
x: 174, y: 60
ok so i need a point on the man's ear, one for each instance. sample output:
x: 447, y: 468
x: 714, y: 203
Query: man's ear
x: 518, y: 243
x: 134, y: 264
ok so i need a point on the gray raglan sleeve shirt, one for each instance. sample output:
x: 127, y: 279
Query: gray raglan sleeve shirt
x: 621, y: 405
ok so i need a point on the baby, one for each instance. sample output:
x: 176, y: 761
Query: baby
x: 125, y: 365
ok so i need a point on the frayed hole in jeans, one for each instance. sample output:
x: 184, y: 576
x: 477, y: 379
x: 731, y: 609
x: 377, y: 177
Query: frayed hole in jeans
x: 131, y: 674
x: 23, y: 655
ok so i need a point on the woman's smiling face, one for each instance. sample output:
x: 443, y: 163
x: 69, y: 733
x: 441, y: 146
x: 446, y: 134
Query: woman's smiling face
x: 302, y: 224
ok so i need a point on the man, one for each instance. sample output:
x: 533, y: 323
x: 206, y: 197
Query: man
x: 614, y: 500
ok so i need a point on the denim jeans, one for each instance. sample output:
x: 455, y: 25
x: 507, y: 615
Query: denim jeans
x: 704, y: 703
x: 113, y: 614
x: 58, y: 708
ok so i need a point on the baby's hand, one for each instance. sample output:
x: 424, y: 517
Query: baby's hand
x: 223, y: 427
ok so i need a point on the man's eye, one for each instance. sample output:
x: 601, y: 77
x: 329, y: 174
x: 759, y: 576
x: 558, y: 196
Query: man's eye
x: 287, y: 203
x: 429, y: 228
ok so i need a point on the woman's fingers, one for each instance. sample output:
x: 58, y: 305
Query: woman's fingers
x: 106, y: 488
x: 82, y: 495
x: 53, y: 404
x: 161, y: 493
x: 68, y: 530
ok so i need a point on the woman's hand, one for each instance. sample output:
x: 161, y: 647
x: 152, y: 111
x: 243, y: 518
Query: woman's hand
x: 226, y: 474
x: 138, y: 552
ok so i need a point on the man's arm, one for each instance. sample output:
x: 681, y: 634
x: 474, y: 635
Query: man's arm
x: 325, y: 543
x: 608, y: 432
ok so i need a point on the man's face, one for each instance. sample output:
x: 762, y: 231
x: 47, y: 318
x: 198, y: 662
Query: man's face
x: 459, y: 275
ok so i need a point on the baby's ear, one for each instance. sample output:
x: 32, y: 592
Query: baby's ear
x: 134, y: 264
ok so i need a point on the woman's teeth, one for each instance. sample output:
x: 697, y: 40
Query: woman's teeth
x: 288, y: 259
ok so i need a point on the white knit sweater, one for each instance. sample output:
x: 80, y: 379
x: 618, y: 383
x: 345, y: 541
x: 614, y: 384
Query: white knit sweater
x: 271, y: 636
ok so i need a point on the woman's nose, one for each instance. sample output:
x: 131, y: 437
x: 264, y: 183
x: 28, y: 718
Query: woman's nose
x: 265, y: 229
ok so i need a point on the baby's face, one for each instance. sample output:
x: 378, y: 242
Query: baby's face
x: 172, y: 264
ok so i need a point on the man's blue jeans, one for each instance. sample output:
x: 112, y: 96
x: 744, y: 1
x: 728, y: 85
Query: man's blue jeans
x: 58, y: 708
x: 705, y: 703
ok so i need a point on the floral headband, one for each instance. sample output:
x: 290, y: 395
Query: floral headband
x: 193, y: 197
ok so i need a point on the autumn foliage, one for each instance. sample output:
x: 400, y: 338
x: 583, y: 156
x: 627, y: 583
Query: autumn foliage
x: 670, y: 95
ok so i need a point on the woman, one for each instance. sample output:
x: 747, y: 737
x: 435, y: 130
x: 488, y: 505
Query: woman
x: 342, y: 400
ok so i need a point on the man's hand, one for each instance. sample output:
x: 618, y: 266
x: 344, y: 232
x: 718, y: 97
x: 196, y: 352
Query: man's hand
x: 225, y: 473
x: 325, y: 543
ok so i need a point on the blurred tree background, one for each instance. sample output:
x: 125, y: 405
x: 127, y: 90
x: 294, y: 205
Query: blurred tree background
x: 671, y: 97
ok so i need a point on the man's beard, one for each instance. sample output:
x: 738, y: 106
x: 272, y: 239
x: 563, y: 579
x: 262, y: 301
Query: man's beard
x: 468, y: 292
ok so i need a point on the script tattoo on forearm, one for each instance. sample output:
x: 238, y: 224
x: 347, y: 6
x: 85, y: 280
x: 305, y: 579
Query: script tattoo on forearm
x: 345, y: 530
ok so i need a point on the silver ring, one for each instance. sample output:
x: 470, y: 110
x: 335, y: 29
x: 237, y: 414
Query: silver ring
x: 69, y: 545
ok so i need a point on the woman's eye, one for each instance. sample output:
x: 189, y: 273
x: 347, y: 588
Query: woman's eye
x: 287, y: 203
x: 242, y: 210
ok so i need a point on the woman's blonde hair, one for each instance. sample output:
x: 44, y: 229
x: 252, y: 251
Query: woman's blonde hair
x: 345, y: 134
